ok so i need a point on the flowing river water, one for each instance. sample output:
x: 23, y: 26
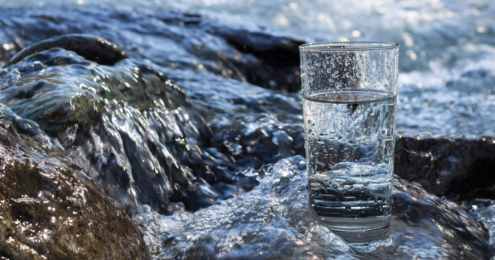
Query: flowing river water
x: 198, y: 134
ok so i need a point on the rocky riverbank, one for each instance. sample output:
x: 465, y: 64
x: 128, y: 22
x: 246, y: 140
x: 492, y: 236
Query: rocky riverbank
x: 167, y: 113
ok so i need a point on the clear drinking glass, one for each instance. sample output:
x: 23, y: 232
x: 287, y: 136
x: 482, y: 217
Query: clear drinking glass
x: 349, y: 94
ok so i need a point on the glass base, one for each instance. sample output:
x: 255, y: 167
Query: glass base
x: 355, y: 224
x: 359, y: 230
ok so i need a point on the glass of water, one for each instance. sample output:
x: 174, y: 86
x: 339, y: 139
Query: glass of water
x: 349, y: 94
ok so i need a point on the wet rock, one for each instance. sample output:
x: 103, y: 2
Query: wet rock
x: 279, y: 53
x: 263, y: 139
x: 133, y: 130
x: 92, y: 48
x: 457, y: 167
x: 50, y: 209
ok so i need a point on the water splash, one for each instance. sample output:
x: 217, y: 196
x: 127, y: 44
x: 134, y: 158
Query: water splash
x: 274, y: 220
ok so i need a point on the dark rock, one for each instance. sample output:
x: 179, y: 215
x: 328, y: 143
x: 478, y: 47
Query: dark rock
x: 457, y: 167
x: 90, y: 47
x: 279, y: 53
x: 49, y: 209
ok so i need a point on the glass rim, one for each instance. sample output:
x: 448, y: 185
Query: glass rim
x: 347, y: 46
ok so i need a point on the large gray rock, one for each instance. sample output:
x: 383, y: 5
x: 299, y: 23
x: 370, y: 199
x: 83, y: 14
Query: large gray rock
x: 457, y: 167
